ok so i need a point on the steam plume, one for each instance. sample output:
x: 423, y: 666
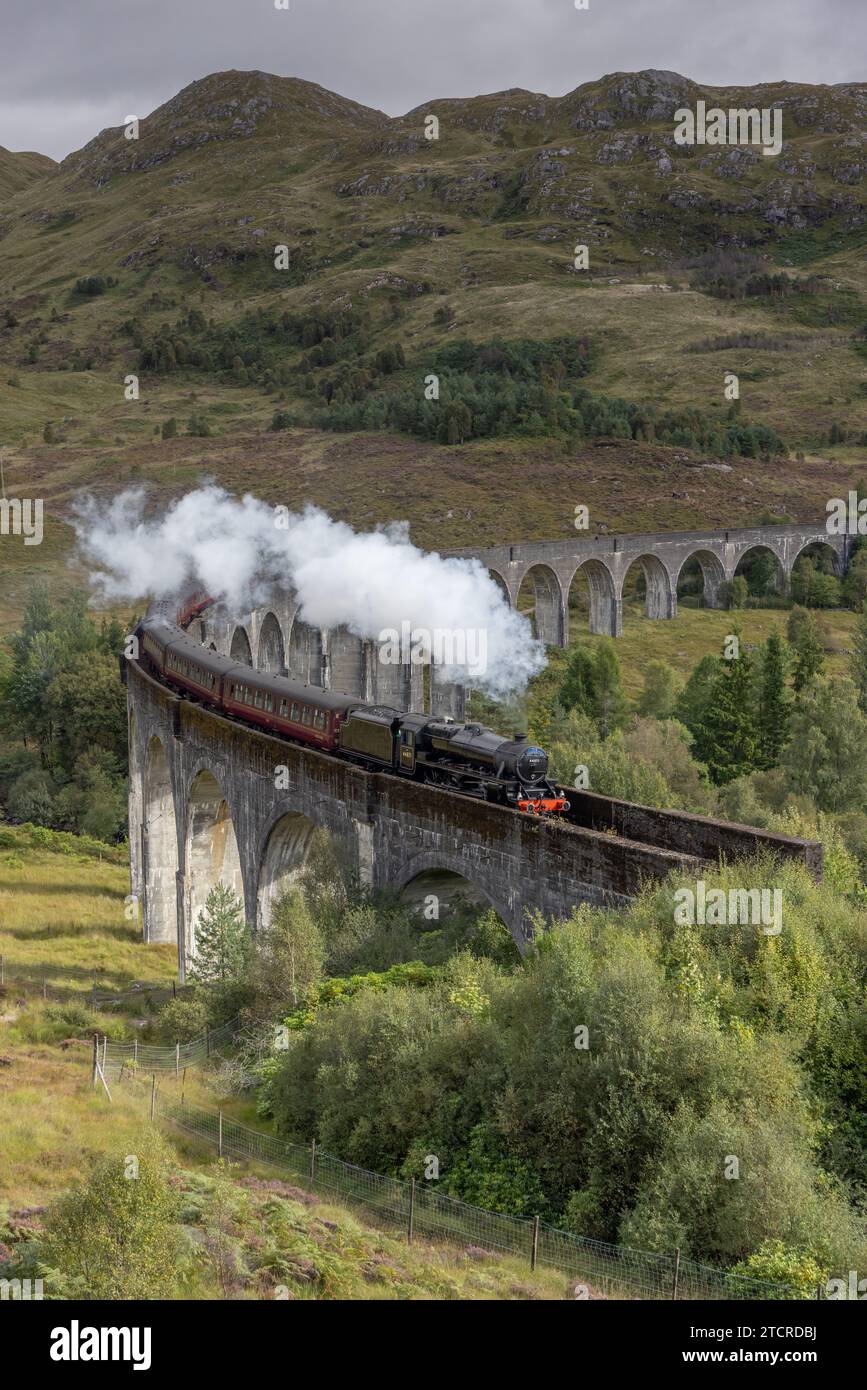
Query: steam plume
x: 242, y: 550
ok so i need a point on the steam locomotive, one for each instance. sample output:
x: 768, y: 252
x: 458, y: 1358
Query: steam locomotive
x: 467, y: 758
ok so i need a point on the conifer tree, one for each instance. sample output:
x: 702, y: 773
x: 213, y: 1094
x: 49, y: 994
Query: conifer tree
x: 693, y: 699
x: 611, y: 704
x: 726, y: 739
x: 803, y: 634
x: 859, y: 659
x: 220, y: 938
x: 774, y: 704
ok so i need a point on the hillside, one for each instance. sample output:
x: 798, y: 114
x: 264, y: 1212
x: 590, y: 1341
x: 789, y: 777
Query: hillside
x: 155, y: 256
x: 19, y: 170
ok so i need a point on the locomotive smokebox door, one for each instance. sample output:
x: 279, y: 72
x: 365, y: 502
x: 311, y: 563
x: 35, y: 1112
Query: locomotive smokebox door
x: 407, y: 750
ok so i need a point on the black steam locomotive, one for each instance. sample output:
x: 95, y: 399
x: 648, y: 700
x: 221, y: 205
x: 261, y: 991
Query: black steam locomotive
x: 467, y: 758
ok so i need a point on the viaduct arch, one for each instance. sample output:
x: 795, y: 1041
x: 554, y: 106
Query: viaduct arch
x: 548, y: 570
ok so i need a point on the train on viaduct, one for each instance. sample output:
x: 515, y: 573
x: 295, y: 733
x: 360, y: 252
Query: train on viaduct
x: 207, y: 804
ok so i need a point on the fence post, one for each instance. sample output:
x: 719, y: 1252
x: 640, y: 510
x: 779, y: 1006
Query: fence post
x: 135, y: 1051
x: 104, y: 1051
x: 819, y: 1291
x: 208, y: 1040
x: 177, y: 1060
x: 312, y: 1163
x: 153, y: 1093
x: 183, y: 1085
x: 534, y: 1252
x: 95, y: 1060
x: 411, y: 1211
x: 220, y: 1136
x: 676, y: 1274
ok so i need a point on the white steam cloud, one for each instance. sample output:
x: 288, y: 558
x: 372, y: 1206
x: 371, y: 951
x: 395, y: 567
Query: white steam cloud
x: 242, y: 551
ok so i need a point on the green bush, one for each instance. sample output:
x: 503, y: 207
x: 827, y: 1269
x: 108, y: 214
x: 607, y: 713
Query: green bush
x: 115, y: 1236
x: 777, y: 1263
x: 181, y: 1020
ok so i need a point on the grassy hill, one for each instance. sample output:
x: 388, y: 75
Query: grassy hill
x: 18, y: 170
x: 394, y: 238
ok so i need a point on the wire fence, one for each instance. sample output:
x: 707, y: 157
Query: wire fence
x: 154, y: 1057
x: 594, y: 1268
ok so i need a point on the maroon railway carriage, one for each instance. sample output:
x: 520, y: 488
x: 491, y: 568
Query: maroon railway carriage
x: 302, y: 711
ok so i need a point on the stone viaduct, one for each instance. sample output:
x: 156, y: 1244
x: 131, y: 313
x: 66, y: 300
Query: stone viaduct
x: 214, y: 801
x: 553, y: 567
x: 276, y: 639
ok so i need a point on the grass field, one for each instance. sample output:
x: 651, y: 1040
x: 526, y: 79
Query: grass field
x: 63, y: 916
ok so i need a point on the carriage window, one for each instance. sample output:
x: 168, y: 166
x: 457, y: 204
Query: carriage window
x: 296, y: 712
x: 257, y: 699
x: 319, y: 719
x: 269, y: 703
x: 307, y: 717
x: 283, y: 709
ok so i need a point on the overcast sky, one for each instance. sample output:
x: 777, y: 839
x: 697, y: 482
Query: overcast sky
x: 68, y: 68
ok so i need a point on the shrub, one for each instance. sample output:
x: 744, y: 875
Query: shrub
x: 181, y: 1020
x: 777, y: 1263
x: 31, y: 797
x: 115, y: 1236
